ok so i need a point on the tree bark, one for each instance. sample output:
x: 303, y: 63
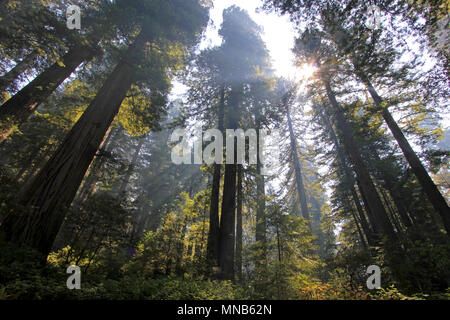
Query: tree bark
x: 228, y: 216
x: 214, y: 223
x: 227, y: 224
x: 239, y: 221
x: 56, y: 185
x: 21, y: 106
x: 87, y: 188
x: 428, y: 185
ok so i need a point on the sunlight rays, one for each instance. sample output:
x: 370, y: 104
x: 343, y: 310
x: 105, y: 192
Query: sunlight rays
x: 305, y: 71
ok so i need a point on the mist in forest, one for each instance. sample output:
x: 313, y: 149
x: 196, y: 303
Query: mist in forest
x: 224, y: 150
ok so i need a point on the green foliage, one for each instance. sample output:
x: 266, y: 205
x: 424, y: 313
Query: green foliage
x: 169, y: 288
x: 178, y: 245
x: 138, y: 227
x: 22, y: 276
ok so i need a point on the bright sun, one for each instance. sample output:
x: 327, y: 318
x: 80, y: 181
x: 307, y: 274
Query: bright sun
x: 301, y: 73
x: 305, y: 71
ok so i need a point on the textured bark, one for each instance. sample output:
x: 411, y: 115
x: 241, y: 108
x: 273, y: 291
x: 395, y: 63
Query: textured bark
x: 214, y: 223
x: 228, y: 215
x: 87, y: 188
x: 377, y: 209
x: 239, y: 221
x: 428, y: 186
x: 8, y: 78
x: 298, y: 172
x: 227, y: 224
x: 21, y: 106
x: 55, y: 186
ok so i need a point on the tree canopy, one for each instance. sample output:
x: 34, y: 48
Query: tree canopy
x: 357, y: 144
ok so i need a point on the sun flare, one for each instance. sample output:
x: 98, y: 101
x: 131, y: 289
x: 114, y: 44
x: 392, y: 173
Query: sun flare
x: 305, y: 71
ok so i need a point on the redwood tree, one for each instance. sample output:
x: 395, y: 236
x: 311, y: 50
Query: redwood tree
x: 48, y: 196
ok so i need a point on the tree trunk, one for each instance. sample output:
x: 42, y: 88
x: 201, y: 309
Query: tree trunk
x: 381, y: 219
x: 298, y: 172
x: 367, y: 207
x: 87, y: 188
x: 389, y: 182
x: 428, y: 185
x: 16, y: 110
x: 228, y: 216
x: 391, y: 212
x: 342, y: 159
x: 239, y: 223
x: 227, y: 224
x: 364, y: 223
x: 261, y: 225
x: 361, y: 236
x: 214, y: 224
x: 8, y: 78
x: 56, y: 185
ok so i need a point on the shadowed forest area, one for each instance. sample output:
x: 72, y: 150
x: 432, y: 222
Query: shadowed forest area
x: 87, y: 175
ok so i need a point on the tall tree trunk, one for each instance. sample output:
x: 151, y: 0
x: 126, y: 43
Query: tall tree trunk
x: 239, y: 221
x: 87, y: 188
x: 428, y: 185
x: 399, y: 204
x: 391, y: 212
x: 367, y: 207
x: 381, y: 219
x: 180, y: 248
x: 214, y: 223
x: 227, y: 224
x: 361, y: 236
x: 16, y: 110
x: 298, y: 172
x: 389, y: 181
x: 342, y: 159
x: 261, y: 224
x: 56, y: 185
x: 362, y: 218
x: 131, y: 167
x: 277, y: 230
x: 8, y: 78
x: 228, y: 216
